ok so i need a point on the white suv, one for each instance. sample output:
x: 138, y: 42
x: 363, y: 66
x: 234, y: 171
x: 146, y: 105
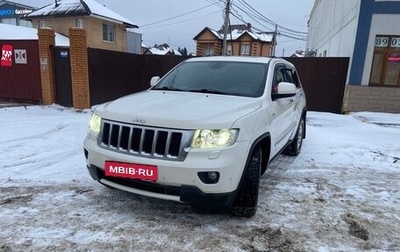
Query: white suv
x: 203, y: 134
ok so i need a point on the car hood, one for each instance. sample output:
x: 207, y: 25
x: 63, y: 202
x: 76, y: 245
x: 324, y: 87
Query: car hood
x: 181, y: 110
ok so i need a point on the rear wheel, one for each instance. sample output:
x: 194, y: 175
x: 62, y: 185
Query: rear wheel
x: 245, y: 203
x: 294, y: 148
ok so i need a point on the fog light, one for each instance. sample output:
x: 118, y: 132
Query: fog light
x: 212, y: 175
x: 209, y: 177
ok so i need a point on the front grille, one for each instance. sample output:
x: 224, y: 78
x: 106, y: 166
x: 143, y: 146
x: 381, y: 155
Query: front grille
x: 142, y: 141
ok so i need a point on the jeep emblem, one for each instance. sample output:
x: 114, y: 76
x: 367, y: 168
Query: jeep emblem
x: 139, y: 121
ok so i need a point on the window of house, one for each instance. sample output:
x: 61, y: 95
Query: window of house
x: 109, y: 33
x: 11, y: 21
x: 245, y: 50
x: 229, y: 49
x: 25, y: 23
x: 42, y: 24
x: 79, y: 23
x: 385, y: 68
x: 208, y: 49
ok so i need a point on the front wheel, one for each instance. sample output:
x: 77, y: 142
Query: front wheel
x: 245, y: 203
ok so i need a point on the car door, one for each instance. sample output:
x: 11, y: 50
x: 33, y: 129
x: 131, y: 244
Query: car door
x: 299, y: 99
x: 282, y: 109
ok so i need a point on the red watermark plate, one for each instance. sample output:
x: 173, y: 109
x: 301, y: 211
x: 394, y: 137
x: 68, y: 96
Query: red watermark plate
x: 131, y: 171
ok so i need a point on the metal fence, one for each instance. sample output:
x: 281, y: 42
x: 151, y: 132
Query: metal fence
x: 324, y: 81
x: 20, y: 79
x: 115, y: 74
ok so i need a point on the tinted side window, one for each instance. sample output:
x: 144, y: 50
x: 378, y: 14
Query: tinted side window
x: 278, y: 77
x: 296, y: 79
x: 287, y: 73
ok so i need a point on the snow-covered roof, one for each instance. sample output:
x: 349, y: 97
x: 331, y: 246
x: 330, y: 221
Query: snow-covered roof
x: 157, y: 51
x: 80, y: 8
x: 18, y: 5
x: 262, y: 36
x: 13, y: 32
x: 236, y: 33
x: 160, y: 50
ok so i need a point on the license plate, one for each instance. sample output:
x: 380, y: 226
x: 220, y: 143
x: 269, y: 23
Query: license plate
x: 132, y: 171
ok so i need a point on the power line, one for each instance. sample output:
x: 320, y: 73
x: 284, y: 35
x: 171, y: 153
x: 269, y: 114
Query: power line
x: 260, y: 19
x: 178, y: 22
x: 157, y: 22
x: 249, y: 7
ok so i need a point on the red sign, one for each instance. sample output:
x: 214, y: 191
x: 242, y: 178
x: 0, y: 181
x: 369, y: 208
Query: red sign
x: 132, y: 171
x: 6, y: 55
x: 395, y: 59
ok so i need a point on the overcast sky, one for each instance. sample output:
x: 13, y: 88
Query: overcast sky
x: 177, y: 22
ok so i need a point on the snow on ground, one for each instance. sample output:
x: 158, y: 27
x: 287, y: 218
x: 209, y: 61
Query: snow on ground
x: 340, y: 194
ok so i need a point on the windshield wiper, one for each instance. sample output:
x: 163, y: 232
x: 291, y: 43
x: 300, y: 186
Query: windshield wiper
x: 206, y: 91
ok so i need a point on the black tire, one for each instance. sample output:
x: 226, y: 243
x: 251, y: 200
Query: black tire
x: 293, y: 149
x: 245, y: 203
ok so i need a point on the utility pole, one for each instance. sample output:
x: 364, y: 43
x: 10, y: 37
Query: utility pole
x: 226, y: 27
x: 275, y: 37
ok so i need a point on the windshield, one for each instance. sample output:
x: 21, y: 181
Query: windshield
x: 218, y: 77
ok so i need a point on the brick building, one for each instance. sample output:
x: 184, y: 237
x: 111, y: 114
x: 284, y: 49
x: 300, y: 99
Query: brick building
x: 241, y: 41
x: 368, y: 32
x: 105, y: 29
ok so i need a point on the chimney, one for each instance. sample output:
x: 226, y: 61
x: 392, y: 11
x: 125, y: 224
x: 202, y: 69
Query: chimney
x: 249, y: 27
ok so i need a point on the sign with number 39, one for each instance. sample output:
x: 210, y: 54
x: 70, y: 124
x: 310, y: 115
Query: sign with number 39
x: 386, y: 41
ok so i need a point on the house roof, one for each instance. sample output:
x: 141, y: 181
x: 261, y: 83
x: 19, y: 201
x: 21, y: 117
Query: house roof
x: 162, y: 50
x: 65, y: 8
x: 13, y: 32
x: 241, y: 27
x: 235, y: 34
x: 5, y: 2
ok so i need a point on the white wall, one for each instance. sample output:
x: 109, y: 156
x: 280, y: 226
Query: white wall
x: 382, y: 24
x: 333, y: 26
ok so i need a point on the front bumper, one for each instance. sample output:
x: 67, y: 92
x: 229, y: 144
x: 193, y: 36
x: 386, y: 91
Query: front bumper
x: 186, y: 194
x: 177, y: 180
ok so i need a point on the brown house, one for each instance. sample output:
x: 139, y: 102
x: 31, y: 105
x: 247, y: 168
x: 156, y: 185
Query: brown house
x: 241, y: 41
x: 105, y: 29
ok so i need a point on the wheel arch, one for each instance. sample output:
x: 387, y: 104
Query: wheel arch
x: 264, y: 141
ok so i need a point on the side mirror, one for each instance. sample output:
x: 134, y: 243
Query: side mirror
x: 154, y: 80
x: 285, y: 89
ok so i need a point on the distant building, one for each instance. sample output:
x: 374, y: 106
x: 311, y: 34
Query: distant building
x: 241, y: 41
x: 11, y: 13
x: 105, y: 29
x: 368, y: 32
x: 299, y: 54
x: 163, y: 49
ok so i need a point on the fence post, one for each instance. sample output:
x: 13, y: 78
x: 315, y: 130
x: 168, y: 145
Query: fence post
x: 79, y: 68
x: 46, y: 42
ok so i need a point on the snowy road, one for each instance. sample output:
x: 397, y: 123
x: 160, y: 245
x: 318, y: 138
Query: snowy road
x: 340, y: 194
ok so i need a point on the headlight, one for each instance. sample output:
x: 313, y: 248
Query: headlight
x: 94, y: 124
x: 214, y: 138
